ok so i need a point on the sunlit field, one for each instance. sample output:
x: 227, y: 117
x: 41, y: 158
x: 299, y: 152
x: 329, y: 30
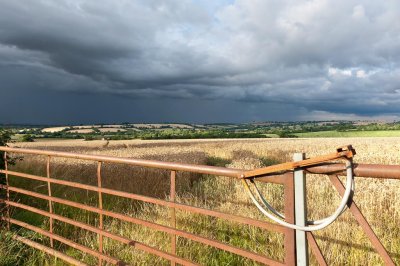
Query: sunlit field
x: 342, y: 243
x: 350, y: 134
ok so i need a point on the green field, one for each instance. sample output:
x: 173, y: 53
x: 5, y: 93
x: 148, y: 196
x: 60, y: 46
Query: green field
x: 272, y: 135
x: 349, y: 134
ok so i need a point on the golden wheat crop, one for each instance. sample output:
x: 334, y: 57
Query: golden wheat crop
x: 343, y: 243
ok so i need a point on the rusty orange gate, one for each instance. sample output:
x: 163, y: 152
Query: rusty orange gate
x: 286, y: 179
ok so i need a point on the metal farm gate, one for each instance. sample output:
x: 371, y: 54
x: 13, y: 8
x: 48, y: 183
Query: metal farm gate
x: 296, y: 242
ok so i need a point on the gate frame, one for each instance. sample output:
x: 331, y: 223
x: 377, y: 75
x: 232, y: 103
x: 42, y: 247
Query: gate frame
x: 294, y: 197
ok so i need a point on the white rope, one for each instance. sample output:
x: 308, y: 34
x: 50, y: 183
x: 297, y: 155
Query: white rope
x: 281, y: 215
x: 316, y: 225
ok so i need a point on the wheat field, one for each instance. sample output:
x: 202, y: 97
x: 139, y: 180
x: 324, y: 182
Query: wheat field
x: 342, y: 243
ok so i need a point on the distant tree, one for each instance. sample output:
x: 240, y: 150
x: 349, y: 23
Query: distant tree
x: 5, y: 137
x: 89, y: 137
x: 284, y: 134
x: 27, y: 138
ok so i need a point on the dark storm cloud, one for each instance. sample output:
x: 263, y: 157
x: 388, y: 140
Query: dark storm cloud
x: 312, y: 57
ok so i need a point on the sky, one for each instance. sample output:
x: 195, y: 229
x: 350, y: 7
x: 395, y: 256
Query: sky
x: 198, y: 61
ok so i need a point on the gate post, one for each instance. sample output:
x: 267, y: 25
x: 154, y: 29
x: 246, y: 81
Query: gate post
x: 300, y: 196
x: 290, y: 234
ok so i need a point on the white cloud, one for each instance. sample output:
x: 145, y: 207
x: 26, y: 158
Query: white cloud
x: 361, y: 74
x: 340, y: 72
x: 323, y: 115
x: 358, y: 12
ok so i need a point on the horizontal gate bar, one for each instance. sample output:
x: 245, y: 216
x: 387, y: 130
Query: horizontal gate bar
x: 166, y: 229
x: 202, y: 169
x: 49, y: 250
x: 96, y: 230
x: 67, y: 242
x: 231, y: 217
x: 362, y: 170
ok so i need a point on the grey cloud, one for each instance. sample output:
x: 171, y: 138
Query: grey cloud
x: 315, y: 56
